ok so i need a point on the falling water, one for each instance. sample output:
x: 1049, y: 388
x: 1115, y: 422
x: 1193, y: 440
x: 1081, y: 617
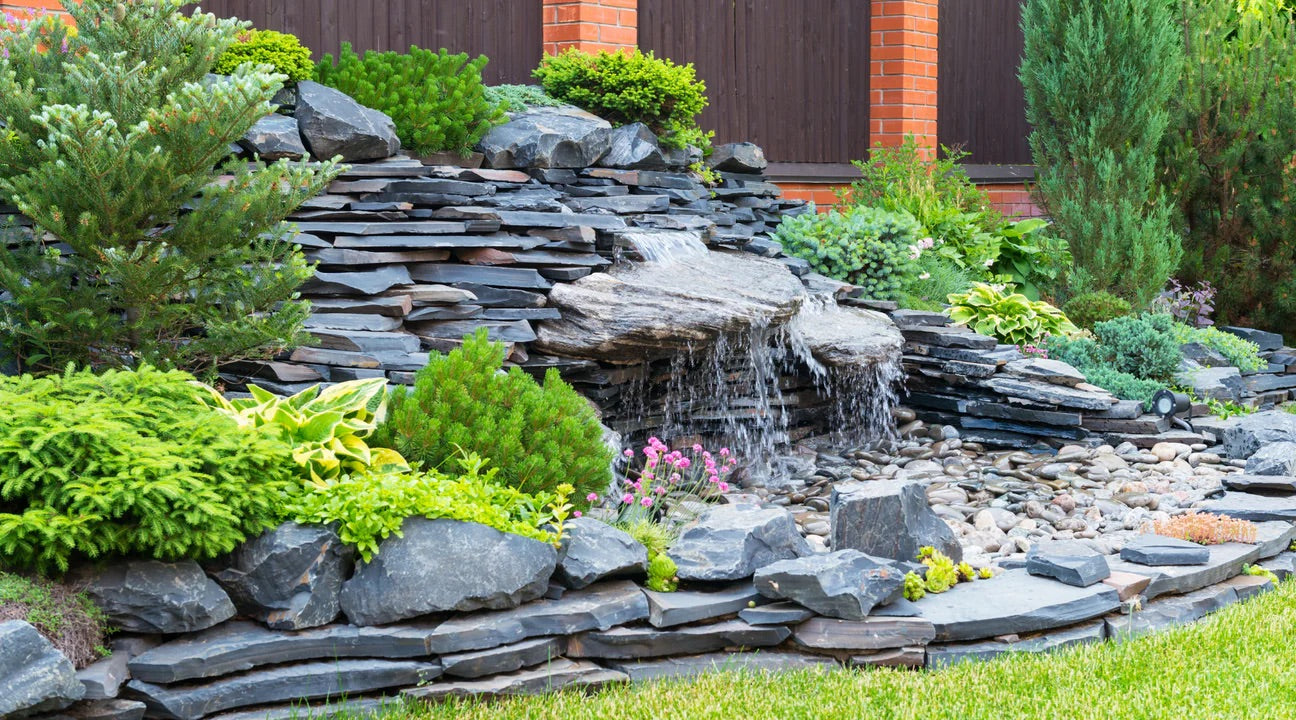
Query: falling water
x: 665, y: 246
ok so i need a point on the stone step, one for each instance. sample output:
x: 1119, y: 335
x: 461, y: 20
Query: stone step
x: 946, y: 654
x: 686, y: 606
x: 875, y: 633
x: 696, y: 665
x: 1013, y: 602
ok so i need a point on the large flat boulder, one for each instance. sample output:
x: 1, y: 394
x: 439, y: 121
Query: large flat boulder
x: 1225, y: 561
x: 563, y: 137
x: 333, y: 124
x: 742, y: 157
x: 1160, y: 550
x: 1171, y: 612
x: 849, y: 337
x: 150, y: 596
x: 888, y: 519
x: 446, y: 565
x: 1013, y: 602
x: 289, y: 577
x: 594, y: 550
x: 731, y: 542
x: 1068, y: 561
x: 946, y: 654
x: 1245, y: 436
x: 1272, y: 459
x: 844, y: 584
x: 34, y: 677
x: 1256, y: 508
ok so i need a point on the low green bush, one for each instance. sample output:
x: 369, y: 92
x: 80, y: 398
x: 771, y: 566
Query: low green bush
x: 282, y: 51
x: 872, y: 248
x: 1008, y: 316
x: 129, y: 462
x: 517, y: 98
x: 1089, y: 309
x: 1141, y: 345
x: 539, y: 436
x: 632, y: 87
x: 1240, y: 352
x: 436, y: 99
x: 70, y: 620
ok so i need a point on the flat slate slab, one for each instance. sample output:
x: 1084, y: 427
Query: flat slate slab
x: 1013, y: 602
x: 1225, y: 562
x: 1069, y: 563
x: 784, y: 613
x: 686, y: 606
x: 633, y: 643
x: 695, y: 665
x: 504, y: 659
x: 875, y: 633
x: 550, y: 677
x: 1256, y: 508
x: 344, y: 709
x: 946, y: 654
x: 1171, y: 612
x: 1160, y: 550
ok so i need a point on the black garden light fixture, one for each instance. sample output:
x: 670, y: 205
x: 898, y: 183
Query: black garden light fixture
x: 1167, y: 403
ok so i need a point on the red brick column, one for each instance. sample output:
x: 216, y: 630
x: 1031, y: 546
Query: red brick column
x: 590, y: 25
x: 904, y: 69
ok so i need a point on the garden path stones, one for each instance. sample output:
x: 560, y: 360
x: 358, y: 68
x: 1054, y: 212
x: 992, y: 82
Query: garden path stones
x: 686, y: 606
x: 549, y: 677
x: 842, y: 584
x: 633, y: 643
x: 1160, y: 550
x: 742, y: 157
x: 274, y: 137
x: 284, y: 683
x: 633, y: 146
x: 695, y: 665
x: 875, y: 633
x: 289, y: 577
x: 1261, y: 484
x: 563, y: 137
x: 946, y: 654
x: 503, y: 659
x: 888, y: 519
x: 1171, y: 612
x: 1277, y: 458
x: 446, y: 565
x: 331, y: 124
x: 34, y: 677
x: 1070, y: 562
x: 1256, y: 508
x: 731, y: 542
x: 150, y: 596
x: 1012, y: 602
x: 594, y: 550
x: 1246, y: 435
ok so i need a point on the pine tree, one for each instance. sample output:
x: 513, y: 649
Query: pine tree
x: 1098, y: 76
x: 149, y: 242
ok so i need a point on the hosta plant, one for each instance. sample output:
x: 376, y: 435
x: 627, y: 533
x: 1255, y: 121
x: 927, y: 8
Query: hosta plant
x: 1009, y: 316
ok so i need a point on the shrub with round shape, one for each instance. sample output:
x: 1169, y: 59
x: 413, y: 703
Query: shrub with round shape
x: 281, y: 51
x: 872, y: 248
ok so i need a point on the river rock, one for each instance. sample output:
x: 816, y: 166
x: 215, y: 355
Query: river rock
x: 446, y: 565
x: 888, y: 519
x: 332, y: 124
x: 850, y: 337
x: 1277, y: 458
x: 562, y: 137
x: 1160, y: 550
x: 289, y: 577
x: 593, y: 550
x: 34, y: 677
x: 731, y: 542
x: 1248, y: 434
x: 1068, y: 561
x: 844, y: 584
x: 150, y: 596
x: 635, y: 147
x: 742, y: 157
x: 274, y: 137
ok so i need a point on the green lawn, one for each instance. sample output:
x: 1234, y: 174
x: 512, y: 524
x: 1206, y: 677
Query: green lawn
x: 1240, y: 663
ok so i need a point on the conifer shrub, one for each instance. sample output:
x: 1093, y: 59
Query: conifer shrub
x: 437, y: 99
x: 517, y: 98
x: 281, y: 51
x: 129, y: 462
x: 1089, y: 309
x: 539, y: 436
x: 872, y: 248
x: 116, y: 147
x: 1132, y: 357
x: 625, y: 88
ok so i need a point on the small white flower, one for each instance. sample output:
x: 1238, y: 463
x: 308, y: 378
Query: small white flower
x: 989, y: 262
x: 925, y: 276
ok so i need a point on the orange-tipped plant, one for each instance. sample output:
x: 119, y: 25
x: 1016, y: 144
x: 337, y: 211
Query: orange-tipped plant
x: 1206, y: 529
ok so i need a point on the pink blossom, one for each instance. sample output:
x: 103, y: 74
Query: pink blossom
x: 592, y: 497
x: 653, y: 441
x: 628, y: 452
x: 578, y: 513
x: 684, y: 463
x: 660, y: 490
x: 646, y: 502
x: 724, y: 452
x: 674, y: 478
x: 628, y: 499
x: 697, y: 448
x: 724, y: 487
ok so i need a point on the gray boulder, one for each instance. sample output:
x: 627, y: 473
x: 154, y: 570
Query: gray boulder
x: 1266, y: 340
x: 738, y: 158
x: 593, y: 550
x: 845, y: 584
x: 150, y: 596
x: 1214, y: 383
x: 634, y: 147
x: 274, y: 137
x: 888, y: 519
x: 289, y: 577
x: 1245, y: 437
x: 1273, y: 459
x: 34, y: 677
x: 446, y: 565
x: 850, y: 337
x: 564, y: 137
x: 331, y: 123
x: 1203, y: 355
x: 1160, y: 550
x: 1067, y: 561
x: 731, y: 542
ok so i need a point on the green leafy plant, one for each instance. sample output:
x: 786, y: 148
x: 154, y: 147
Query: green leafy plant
x: 1009, y: 316
x: 872, y: 248
x: 1089, y: 309
x: 939, y: 575
x: 1240, y: 352
x: 70, y: 620
x: 1096, y: 136
x: 281, y: 51
x: 1257, y: 571
x: 539, y: 436
x: 935, y: 280
x: 149, y: 243
x: 662, y: 574
x: 656, y: 538
x: 436, y: 99
x: 129, y: 462
x: 517, y: 98
x: 631, y: 87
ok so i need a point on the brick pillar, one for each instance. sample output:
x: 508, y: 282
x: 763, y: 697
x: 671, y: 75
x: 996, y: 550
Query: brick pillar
x: 903, y: 73
x: 590, y: 25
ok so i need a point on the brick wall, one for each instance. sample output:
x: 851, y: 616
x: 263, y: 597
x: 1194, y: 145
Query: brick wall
x: 904, y: 70
x: 22, y: 7
x: 590, y: 25
x: 1012, y: 199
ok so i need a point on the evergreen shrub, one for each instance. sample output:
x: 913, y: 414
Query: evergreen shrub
x: 1132, y: 357
x: 1089, y: 309
x: 281, y: 51
x: 517, y: 98
x: 872, y: 248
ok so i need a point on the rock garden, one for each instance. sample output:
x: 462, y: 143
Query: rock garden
x: 329, y: 394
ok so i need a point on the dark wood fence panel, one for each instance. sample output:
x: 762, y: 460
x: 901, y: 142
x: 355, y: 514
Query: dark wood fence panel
x: 509, y: 32
x: 791, y: 76
x: 982, y: 105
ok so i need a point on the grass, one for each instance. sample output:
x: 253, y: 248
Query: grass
x: 66, y: 617
x: 1238, y: 663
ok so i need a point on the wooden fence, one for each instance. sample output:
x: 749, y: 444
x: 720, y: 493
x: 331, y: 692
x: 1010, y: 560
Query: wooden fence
x: 792, y: 77
x: 509, y: 32
x: 982, y: 107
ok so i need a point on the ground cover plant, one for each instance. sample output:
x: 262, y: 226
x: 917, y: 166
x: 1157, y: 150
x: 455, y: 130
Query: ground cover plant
x: 517, y: 98
x: 1132, y: 357
x: 1206, y: 528
x: 116, y: 146
x: 72, y: 623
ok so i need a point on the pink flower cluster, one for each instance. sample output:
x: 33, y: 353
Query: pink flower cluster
x: 916, y: 250
x: 665, y: 470
x: 1036, y: 351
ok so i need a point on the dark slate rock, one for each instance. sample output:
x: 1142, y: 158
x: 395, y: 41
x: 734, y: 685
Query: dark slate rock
x: 103, y: 678
x: 282, y: 684
x: 784, y: 613
x: 1013, y: 602
x: 491, y: 297
x: 340, y: 257
x: 521, y: 314
x: 686, y: 606
x: 1160, y: 550
x: 413, y: 227
x: 1050, y: 394
x: 395, y: 306
x: 1256, y: 508
x: 332, y: 124
x: 1073, y: 563
x: 352, y: 321
x: 149, y: 596
x: 623, y: 205
x: 635, y: 147
x: 547, y: 138
x: 507, y: 658
x: 429, y: 243
x: 1268, y: 484
x: 1249, y: 586
x: 1225, y: 561
x: 445, y: 312
x: 632, y: 643
x: 1203, y: 355
x: 877, y: 633
x: 1171, y: 612
x: 770, y: 661
x: 524, y: 278
x: 731, y: 542
x: 358, y: 341
x: 274, y: 137
x: 738, y: 157
x: 1050, y: 371
x: 34, y: 677
x: 289, y: 577
x: 888, y: 519
x: 1273, y: 459
x: 108, y: 709
x: 441, y: 186
x: 1266, y: 340
x: 947, y: 654
x: 843, y: 584
x: 1213, y: 383
x: 593, y: 550
x: 518, y: 331
x: 1248, y: 434
x: 445, y: 565
x: 367, y: 282
x: 551, y: 677
x: 533, y: 220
